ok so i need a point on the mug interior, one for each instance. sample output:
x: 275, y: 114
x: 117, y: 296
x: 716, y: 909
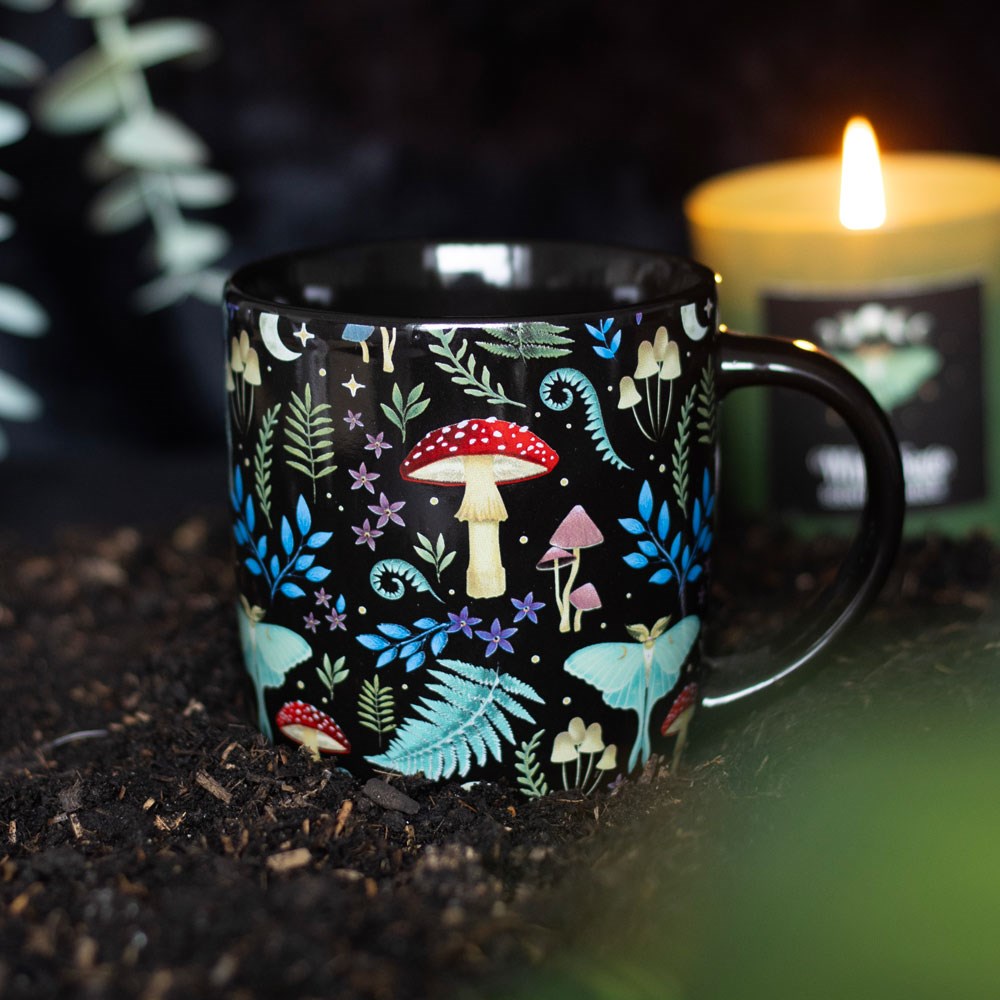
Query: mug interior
x: 421, y: 281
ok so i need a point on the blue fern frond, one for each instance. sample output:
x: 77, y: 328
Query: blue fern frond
x: 463, y: 719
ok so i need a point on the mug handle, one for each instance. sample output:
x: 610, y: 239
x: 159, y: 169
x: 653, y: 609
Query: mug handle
x: 746, y: 360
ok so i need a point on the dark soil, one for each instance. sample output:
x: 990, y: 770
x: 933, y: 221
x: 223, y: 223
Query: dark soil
x: 152, y: 845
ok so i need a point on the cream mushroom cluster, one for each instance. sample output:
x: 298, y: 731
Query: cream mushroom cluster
x: 480, y: 454
x: 577, y: 741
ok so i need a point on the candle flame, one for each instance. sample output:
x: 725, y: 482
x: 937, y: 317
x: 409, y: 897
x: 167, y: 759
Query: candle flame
x: 862, y: 194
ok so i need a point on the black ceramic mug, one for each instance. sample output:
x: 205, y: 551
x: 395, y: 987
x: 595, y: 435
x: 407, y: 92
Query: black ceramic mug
x: 473, y: 490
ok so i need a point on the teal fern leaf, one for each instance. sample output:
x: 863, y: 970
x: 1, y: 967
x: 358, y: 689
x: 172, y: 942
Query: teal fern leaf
x: 529, y: 772
x: 466, y: 721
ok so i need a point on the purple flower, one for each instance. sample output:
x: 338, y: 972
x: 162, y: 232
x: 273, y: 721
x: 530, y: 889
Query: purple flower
x: 366, y: 535
x: 353, y: 420
x: 527, y: 607
x: 310, y: 622
x: 376, y: 444
x: 322, y: 597
x: 363, y: 478
x: 387, y: 511
x: 336, y: 620
x: 463, y: 622
x: 496, y: 638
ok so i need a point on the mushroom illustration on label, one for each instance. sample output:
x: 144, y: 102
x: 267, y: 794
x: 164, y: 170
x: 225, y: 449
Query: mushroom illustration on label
x: 679, y: 718
x: 552, y: 562
x: 584, y: 598
x: 576, y: 531
x: 359, y: 333
x: 307, y: 725
x: 480, y: 454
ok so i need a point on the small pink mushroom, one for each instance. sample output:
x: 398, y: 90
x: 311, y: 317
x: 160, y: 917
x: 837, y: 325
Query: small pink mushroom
x: 584, y: 598
x: 480, y: 454
x: 576, y: 531
x: 551, y: 562
x: 308, y: 726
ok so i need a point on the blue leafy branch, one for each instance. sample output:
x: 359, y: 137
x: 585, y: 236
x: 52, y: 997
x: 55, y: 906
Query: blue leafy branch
x: 600, y: 333
x: 671, y: 556
x: 398, y: 642
x: 296, y: 555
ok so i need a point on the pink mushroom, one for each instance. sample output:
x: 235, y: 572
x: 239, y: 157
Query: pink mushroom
x: 678, y: 719
x: 577, y: 531
x: 551, y: 563
x: 584, y: 598
x: 308, y: 726
x: 480, y: 454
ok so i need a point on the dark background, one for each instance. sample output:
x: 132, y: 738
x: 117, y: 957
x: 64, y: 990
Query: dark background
x: 344, y: 122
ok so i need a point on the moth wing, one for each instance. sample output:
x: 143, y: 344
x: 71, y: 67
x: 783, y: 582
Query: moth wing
x: 670, y: 651
x: 614, y: 668
x: 278, y: 650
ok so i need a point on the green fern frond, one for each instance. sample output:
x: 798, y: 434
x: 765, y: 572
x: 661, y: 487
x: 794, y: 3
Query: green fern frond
x: 307, y: 431
x: 533, y: 783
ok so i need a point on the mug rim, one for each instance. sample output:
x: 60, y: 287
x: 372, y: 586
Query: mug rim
x: 699, y: 280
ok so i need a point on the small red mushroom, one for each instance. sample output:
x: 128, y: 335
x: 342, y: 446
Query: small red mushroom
x: 576, y: 531
x: 584, y: 598
x: 678, y: 719
x: 308, y: 726
x: 480, y: 454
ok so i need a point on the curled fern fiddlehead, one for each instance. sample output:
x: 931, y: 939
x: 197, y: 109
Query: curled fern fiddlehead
x: 389, y: 578
x: 557, y: 390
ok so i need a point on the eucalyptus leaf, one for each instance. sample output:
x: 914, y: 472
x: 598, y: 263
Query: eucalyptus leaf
x: 118, y: 206
x: 17, y: 401
x: 164, y: 291
x: 189, y: 246
x: 19, y: 67
x: 20, y: 313
x: 83, y: 94
x: 13, y: 124
x: 161, y: 40
x: 98, y: 166
x: 98, y: 8
x: 201, y: 188
x: 7, y: 227
x: 154, y: 139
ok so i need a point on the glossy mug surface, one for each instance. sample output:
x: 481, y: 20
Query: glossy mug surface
x: 473, y: 495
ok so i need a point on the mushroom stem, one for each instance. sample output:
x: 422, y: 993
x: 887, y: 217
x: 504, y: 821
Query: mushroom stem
x: 573, y: 570
x: 311, y: 742
x: 559, y: 603
x: 388, y: 346
x: 578, y: 620
x: 587, y: 773
x: 365, y: 356
x: 682, y: 732
x: 483, y: 508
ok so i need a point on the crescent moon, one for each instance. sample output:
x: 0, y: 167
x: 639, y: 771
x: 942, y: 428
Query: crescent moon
x: 269, y: 333
x: 689, y: 320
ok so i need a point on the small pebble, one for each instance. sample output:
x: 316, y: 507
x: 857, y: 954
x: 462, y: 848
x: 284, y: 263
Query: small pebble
x: 383, y: 794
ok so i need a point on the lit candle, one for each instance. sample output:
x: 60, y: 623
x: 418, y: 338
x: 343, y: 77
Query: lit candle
x: 903, y: 286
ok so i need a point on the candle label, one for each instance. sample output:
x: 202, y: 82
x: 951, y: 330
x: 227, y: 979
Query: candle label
x: 918, y: 349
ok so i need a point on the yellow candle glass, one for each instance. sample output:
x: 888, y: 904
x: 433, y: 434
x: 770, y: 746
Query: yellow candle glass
x: 912, y: 307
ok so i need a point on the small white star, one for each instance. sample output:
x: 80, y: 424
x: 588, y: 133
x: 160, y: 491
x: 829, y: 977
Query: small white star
x: 303, y: 334
x: 352, y: 386
x: 708, y: 307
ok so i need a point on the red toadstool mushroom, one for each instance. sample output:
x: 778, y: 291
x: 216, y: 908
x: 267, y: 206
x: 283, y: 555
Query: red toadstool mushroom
x: 584, y: 598
x: 576, y: 531
x: 678, y: 719
x: 307, y: 725
x: 480, y: 454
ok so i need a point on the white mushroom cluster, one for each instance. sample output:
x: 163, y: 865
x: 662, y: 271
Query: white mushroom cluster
x: 577, y: 741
